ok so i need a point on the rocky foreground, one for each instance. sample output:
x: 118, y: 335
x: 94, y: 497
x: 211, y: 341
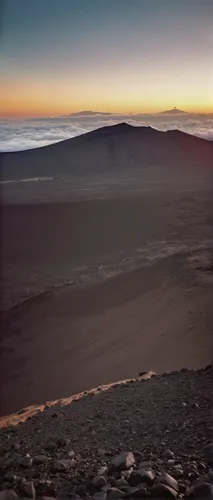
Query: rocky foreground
x: 140, y: 439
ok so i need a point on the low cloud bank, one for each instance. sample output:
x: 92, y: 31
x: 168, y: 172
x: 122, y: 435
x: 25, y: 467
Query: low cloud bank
x: 16, y: 135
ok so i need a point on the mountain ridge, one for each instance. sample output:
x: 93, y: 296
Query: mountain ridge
x: 107, y: 149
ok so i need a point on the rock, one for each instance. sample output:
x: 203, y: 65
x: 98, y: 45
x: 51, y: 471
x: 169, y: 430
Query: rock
x: 182, y: 487
x: 138, y: 455
x: 17, y: 446
x: 10, y: 477
x: 27, y: 488
x: 203, y: 491
x: 46, y: 488
x: 99, y: 481
x: 26, y: 462
x: 61, y: 465
x: 61, y: 442
x: 139, y: 492
x: 51, y: 446
x: 162, y: 492
x: 168, y: 481
x: 142, y: 476
x: 101, y: 452
x: 122, y: 482
x: 168, y: 454
x: 145, y: 465
x: 114, y: 493
x: 41, y: 459
x: 171, y: 461
x: 208, y: 453
x: 103, y: 471
x: 8, y: 495
x: 100, y: 495
x: 54, y: 415
x: 178, y: 473
x: 71, y: 454
x: 47, y: 498
x: 126, y: 473
x: 123, y: 461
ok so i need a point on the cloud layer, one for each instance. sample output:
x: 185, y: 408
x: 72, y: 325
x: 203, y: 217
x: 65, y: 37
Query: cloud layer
x: 16, y: 135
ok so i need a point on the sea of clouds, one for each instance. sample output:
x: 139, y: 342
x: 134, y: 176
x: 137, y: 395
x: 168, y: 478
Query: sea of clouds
x: 20, y: 134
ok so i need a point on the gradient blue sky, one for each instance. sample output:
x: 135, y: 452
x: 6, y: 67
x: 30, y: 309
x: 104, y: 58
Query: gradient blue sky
x: 61, y: 56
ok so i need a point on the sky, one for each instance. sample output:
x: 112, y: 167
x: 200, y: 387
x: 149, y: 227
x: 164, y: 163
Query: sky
x: 121, y: 56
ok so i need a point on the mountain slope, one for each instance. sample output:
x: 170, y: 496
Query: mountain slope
x: 108, y: 149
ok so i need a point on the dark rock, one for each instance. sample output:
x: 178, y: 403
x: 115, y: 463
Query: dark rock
x: 137, y: 492
x: 145, y: 465
x: 8, y: 495
x: 26, y: 462
x: 123, y: 461
x: 99, y: 482
x: 41, y: 459
x: 17, y: 446
x: 182, y: 487
x: 208, y: 453
x: 61, y: 465
x: 168, y: 454
x: 114, y: 493
x: 162, y: 492
x: 203, y: 491
x: 10, y: 477
x: 51, y: 446
x: 100, y: 495
x: 142, y: 476
x: 27, y: 488
x: 46, y: 488
x: 122, y: 482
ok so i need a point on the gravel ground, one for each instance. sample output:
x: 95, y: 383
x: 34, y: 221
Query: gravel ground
x: 143, y: 438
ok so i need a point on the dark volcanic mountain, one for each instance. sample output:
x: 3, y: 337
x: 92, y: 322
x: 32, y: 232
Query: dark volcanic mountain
x: 109, y: 149
x: 174, y: 111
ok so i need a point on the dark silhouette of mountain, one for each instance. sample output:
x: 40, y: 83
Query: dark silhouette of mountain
x: 89, y: 113
x: 109, y: 149
x: 174, y: 111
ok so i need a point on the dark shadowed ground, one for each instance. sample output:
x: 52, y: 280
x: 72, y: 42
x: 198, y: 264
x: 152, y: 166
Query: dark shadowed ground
x: 117, y: 274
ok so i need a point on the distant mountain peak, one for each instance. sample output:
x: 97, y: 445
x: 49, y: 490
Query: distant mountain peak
x: 174, y: 111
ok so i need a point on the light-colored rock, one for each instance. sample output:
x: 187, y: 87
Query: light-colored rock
x: 103, y: 471
x: 169, y: 481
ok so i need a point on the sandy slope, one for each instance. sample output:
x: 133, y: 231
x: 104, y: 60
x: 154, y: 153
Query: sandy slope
x: 154, y: 318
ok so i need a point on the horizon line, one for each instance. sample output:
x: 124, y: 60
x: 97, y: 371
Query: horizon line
x: 106, y: 113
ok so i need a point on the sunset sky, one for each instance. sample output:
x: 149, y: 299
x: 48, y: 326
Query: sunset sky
x: 62, y: 56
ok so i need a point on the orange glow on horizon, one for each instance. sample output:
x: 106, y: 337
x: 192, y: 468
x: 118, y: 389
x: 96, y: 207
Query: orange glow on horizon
x: 28, y: 98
